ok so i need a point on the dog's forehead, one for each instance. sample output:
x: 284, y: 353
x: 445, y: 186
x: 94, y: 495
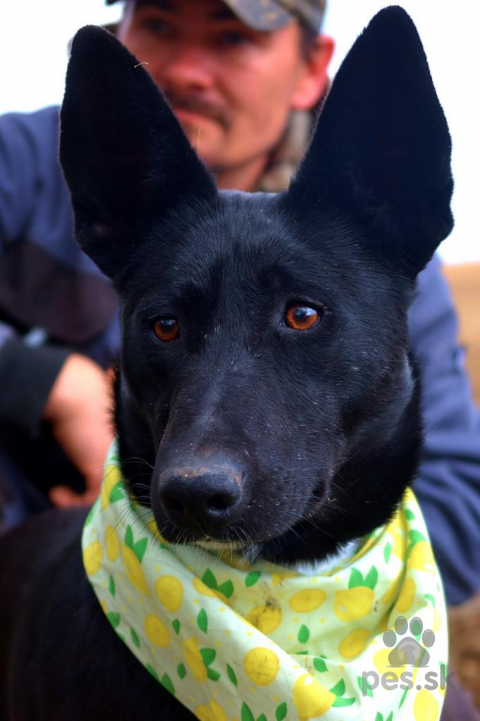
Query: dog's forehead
x: 241, y: 223
x: 256, y: 237
x: 245, y: 245
x: 242, y: 235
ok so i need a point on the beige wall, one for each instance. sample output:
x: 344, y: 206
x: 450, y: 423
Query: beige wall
x: 465, y: 284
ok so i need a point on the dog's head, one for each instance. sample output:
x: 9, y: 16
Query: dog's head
x: 265, y: 370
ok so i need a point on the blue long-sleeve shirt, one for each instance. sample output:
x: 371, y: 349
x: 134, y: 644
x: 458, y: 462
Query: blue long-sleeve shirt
x: 49, y: 285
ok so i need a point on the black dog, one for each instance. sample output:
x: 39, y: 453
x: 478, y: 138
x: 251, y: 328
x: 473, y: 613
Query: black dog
x: 264, y: 339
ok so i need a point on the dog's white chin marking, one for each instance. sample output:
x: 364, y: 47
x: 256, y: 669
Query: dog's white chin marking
x: 247, y: 553
x: 251, y: 552
x: 314, y: 568
x: 209, y: 544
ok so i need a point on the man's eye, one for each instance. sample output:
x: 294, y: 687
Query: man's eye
x: 156, y: 26
x: 233, y: 39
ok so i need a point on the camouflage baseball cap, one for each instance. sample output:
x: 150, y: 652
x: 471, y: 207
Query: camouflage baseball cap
x: 274, y: 14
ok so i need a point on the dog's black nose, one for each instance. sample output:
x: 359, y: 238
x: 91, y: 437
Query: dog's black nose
x: 201, y: 498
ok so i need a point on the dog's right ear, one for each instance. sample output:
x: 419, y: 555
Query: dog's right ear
x: 124, y: 155
x: 381, y: 149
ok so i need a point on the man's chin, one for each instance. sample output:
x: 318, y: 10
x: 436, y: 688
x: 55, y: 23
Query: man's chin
x: 205, y: 140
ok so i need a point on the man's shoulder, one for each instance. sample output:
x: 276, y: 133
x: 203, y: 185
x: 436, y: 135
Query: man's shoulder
x: 32, y: 131
x: 43, y: 118
x: 432, y: 289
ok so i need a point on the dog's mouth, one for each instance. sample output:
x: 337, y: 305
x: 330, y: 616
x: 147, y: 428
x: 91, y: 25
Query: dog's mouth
x: 234, y: 541
x: 230, y: 537
x: 210, y: 544
x: 246, y: 552
x: 207, y: 507
x: 227, y: 545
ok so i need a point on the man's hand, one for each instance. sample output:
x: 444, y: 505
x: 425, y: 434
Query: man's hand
x: 78, y: 409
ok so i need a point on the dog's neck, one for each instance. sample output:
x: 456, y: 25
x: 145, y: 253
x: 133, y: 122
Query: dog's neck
x: 315, y: 568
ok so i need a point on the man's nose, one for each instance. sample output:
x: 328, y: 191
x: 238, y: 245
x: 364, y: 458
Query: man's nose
x: 205, y: 499
x: 187, y: 67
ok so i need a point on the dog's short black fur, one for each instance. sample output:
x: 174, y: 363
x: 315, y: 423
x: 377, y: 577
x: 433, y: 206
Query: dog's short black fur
x: 241, y: 428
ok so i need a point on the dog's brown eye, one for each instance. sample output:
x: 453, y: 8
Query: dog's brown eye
x: 301, y: 317
x: 166, y: 328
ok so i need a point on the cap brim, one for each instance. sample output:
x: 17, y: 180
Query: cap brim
x: 263, y: 16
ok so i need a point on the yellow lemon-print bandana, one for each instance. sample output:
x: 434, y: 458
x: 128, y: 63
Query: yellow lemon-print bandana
x: 365, y: 639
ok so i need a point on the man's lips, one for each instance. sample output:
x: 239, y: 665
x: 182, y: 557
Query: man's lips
x: 191, y: 116
x: 198, y: 110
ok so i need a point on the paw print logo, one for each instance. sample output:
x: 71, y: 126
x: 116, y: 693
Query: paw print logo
x: 406, y: 650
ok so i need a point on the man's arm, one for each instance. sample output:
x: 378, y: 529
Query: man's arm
x: 27, y: 373
x: 448, y: 484
x: 41, y: 381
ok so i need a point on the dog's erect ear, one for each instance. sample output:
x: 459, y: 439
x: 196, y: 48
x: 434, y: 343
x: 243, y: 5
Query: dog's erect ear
x: 124, y: 155
x: 381, y: 149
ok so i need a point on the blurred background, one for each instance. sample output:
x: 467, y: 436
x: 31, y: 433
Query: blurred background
x: 34, y: 35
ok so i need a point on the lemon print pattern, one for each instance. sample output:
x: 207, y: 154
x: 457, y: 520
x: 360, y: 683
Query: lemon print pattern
x: 407, y: 596
x: 425, y: 707
x: 92, y: 557
x: 382, y: 663
x: 421, y: 557
x: 310, y: 698
x: 261, y: 666
x: 261, y: 642
x: 265, y: 618
x: 352, y: 645
x: 202, y: 588
x: 134, y: 570
x: 354, y: 603
x: 193, y: 657
x: 391, y: 593
x: 111, y: 478
x: 170, y: 592
x: 156, y: 631
x: 209, y: 586
x: 112, y: 543
x: 212, y: 712
x: 357, y: 601
x: 307, y: 600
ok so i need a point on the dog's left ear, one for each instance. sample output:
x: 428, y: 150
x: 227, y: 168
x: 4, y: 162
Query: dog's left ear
x: 124, y: 155
x: 381, y: 149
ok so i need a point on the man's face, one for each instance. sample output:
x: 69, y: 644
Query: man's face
x: 231, y: 87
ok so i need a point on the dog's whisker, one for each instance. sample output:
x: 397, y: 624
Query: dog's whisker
x: 136, y: 459
x: 123, y: 516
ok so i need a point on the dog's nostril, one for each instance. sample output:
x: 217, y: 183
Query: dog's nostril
x: 220, y: 502
x: 202, y: 498
x: 174, y: 506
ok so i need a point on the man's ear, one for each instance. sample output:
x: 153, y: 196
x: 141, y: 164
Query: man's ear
x: 124, y: 155
x: 381, y: 149
x: 314, y: 80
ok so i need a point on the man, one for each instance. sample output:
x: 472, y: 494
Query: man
x: 243, y: 77
x: 233, y: 79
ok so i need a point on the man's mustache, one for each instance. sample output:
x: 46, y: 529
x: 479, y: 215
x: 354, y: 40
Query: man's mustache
x: 199, y: 106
